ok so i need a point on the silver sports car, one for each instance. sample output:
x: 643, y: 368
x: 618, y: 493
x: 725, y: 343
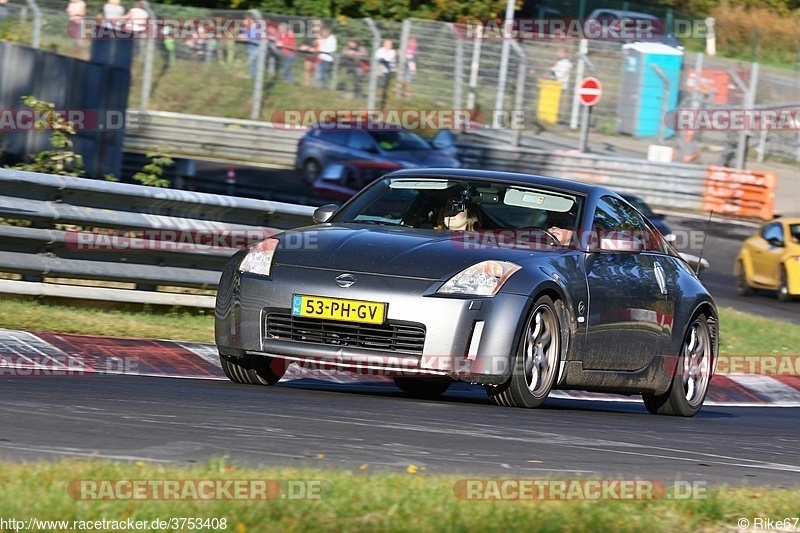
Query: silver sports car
x: 520, y: 283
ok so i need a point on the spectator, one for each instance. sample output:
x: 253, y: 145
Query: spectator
x: 687, y: 149
x: 76, y: 10
x: 326, y: 48
x: 411, y: 65
x: 387, y: 57
x: 354, y: 61
x: 113, y: 10
x: 288, y: 48
x: 309, y: 48
x: 561, y: 69
x: 137, y: 17
x: 250, y: 36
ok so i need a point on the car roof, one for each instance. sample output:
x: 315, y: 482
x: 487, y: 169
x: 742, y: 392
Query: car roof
x: 620, y: 13
x: 491, y: 175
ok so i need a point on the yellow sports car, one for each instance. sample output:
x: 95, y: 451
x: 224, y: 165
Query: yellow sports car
x: 771, y: 260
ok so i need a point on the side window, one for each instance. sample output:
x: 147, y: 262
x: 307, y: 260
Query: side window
x: 613, y: 215
x: 360, y: 141
x: 772, y: 231
x: 340, y: 137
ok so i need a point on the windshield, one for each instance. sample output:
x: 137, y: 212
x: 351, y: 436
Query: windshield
x: 465, y: 205
x: 794, y: 231
x: 394, y: 140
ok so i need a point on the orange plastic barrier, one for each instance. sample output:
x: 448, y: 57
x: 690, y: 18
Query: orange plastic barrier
x: 745, y: 193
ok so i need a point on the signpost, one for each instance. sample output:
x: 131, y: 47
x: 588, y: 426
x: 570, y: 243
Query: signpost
x: 589, y: 93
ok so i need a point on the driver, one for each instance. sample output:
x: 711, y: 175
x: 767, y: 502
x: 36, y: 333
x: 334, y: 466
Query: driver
x: 562, y: 227
x: 457, y: 215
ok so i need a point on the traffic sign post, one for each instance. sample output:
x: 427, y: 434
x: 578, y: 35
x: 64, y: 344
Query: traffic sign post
x: 589, y: 94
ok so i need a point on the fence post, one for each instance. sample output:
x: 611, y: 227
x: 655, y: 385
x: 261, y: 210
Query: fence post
x: 750, y: 100
x: 458, y: 72
x: 373, y: 72
x: 583, y: 49
x: 258, y: 83
x: 519, y: 94
x: 149, y: 56
x: 36, y: 39
x: 475, y: 67
x: 501, y: 78
x: 405, y: 32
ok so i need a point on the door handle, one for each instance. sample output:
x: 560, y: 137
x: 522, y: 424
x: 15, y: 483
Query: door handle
x: 660, y: 278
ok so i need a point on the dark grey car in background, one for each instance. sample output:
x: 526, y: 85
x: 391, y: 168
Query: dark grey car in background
x: 378, y: 285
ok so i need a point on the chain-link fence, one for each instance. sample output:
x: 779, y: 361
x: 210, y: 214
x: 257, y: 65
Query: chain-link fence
x: 435, y: 68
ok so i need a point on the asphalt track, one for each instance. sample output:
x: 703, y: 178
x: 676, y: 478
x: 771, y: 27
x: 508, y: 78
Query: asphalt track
x: 317, y: 424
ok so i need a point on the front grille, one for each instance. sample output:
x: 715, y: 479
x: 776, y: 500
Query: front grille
x: 390, y: 337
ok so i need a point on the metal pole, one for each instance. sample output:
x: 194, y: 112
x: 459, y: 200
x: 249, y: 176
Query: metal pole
x: 373, y: 73
x: 576, y: 101
x: 36, y: 39
x: 149, y: 56
x: 519, y: 95
x: 258, y: 83
x: 405, y: 32
x: 501, y: 79
x: 750, y: 100
x: 458, y: 74
x: 584, y: 127
x: 762, y: 145
x: 475, y: 67
x: 698, y: 76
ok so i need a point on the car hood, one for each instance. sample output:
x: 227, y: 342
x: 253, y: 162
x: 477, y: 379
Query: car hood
x: 424, y: 158
x: 393, y: 251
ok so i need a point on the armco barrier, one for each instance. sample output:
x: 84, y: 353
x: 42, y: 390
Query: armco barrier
x: 662, y: 184
x: 56, y: 236
x: 745, y: 193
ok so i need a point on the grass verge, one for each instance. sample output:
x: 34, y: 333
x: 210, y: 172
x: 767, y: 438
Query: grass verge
x: 740, y: 333
x: 363, y: 500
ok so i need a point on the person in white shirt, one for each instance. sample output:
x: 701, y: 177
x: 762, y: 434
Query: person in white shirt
x: 387, y: 59
x: 137, y: 16
x: 112, y: 10
x: 562, y: 68
x: 76, y: 10
x: 326, y: 47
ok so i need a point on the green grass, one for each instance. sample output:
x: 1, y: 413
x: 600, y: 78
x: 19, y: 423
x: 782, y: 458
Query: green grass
x: 176, y: 324
x: 366, y: 500
x: 740, y: 333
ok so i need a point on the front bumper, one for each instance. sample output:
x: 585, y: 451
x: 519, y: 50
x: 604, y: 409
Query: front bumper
x: 470, y: 339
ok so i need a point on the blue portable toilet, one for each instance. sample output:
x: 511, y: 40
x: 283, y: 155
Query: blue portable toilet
x: 640, y: 111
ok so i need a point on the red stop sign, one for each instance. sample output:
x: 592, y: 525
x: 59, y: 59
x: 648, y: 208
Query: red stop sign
x: 589, y: 91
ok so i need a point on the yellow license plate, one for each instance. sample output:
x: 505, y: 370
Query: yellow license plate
x: 338, y: 309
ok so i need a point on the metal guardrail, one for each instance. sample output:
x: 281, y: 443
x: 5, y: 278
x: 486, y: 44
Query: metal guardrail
x: 661, y: 184
x: 66, y: 225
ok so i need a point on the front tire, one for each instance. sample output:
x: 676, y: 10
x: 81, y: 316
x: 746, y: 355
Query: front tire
x: 742, y: 287
x: 692, y: 375
x: 423, y: 387
x: 252, y: 370
x: 783, y: 288
x: 536, y: 362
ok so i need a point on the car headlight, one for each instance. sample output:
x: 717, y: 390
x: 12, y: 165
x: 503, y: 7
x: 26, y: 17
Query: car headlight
x: 482, y: 279
x: 259, y: 259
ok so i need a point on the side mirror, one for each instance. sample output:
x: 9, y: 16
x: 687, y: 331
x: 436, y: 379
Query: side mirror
x: 776, y: 241
x: 620, y: 241
x: 324, y: 213
x: 443, y: 140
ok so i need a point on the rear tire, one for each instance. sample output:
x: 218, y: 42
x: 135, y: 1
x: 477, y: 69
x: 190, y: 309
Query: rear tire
x: 252, y: 370
x: 537, y: 359
x: 689, y: 386
x: 742, y: 287
x: 783, y: 288
x: 423, y: 387
x: 311, y: 170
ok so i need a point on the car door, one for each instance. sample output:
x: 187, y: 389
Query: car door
x: 766, y: 255
x: 627, y: 293
x: 336, y: 146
